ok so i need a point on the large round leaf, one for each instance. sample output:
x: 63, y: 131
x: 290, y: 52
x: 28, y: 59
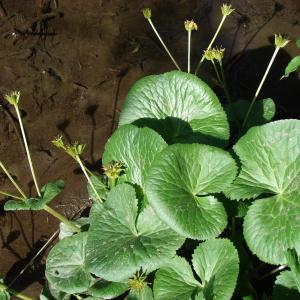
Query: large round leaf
x: 180, y: 106
x: 65, y: 268
x: 216, y: 263
x: 270, y: 158
x: 285, y: 287
x: 135, y: 148
x: 179, y: 184
x: 120, y: 241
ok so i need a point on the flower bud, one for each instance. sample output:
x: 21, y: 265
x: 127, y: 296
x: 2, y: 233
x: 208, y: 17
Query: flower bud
x: 190, y: 25
x: 280, y: 41
x: 147, y: 13
x: 13, y: 98
x: 114, y: 169
x: 226, y: 9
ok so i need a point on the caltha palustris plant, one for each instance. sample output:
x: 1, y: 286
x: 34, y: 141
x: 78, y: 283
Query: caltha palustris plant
x: 176, y: 214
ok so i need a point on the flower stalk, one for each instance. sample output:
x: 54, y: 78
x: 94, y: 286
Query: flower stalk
x: 147, y: 14
x: 280, y: 42
x: 4, y: 287
x: 75, y: 150
x: 226, y: 10
x: 189, y: 25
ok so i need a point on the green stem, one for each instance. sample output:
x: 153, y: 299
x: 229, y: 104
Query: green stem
x: 89, y: 171
x: 62, y: 218
x: 4, y: 287
x: 189, y: 50
x: 259, y: 87
x: 88, y: 178
x: 27, y: 150
x: 217, y: 73
x: 112, y: 182
x: 10, y: 195
x: 12, y: 180
x: 225, y: 86
x: 163, y: 44
x: 210, y: 44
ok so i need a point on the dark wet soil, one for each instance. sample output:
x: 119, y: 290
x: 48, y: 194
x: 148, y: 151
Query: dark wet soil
x: 74, y: 62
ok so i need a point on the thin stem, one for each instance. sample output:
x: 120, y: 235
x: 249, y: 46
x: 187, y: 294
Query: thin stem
x: 10, y: 195
x: 90, y: 172
x: 88, y: 178
x: 217, y: 72
x: 273, y: 271
x: 210, y: 44
x: 62, y: 218
x: 225, y: 86
x: 112, y: 182
x: 260, y: 86
x: 27, y: 151
x: 12, y: 180
x: 163, y: 44
x: 189, y: 50
x: 3, y: 287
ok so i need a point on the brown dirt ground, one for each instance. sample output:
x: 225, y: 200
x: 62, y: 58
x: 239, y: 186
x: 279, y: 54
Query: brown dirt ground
x: 74, y: 62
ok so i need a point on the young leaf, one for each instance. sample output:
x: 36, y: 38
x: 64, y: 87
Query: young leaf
x: 120, y: 241
x: 66, y: 265
x: 285, y: 287
x: 292, y: 66
x: 179, y: 185
x: 270, y: 165
x: 262, y: 111
x: 98, y: 183
x: 178, y: 105
x: 48, y: 193
x: 107, y: 289
x: 215, y: 261
x: 136, y: 148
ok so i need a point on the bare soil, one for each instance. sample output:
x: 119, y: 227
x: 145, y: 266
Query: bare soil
x: 74, y: 62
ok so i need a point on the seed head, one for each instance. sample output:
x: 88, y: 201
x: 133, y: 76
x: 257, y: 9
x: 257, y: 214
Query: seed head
x: 137, y: 282
x: 13, y: 97
x: 226, y: 9
x: 58, y: 142
x: 190, y: 25
x: 114, y: 169
x: 147, y: 13
x: 280, y: 41
x: 214, y: 54
x: 73, y: 150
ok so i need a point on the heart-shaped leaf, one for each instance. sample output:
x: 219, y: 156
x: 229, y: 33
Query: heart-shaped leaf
x: 120, y: 241
x: 215, y: 261
x: 66, y: 265
x: 270, y: 161
x: 136, y: 148
x: 262, y: 111
x: 178, y: 105
x: 48, y: 193
x: 285, y: 287
x: 179, y: 185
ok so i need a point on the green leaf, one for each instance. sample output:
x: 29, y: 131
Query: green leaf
x: 100, y: 186
x: 120, y: 241
x: 179, y: 185
x: 108, y: 289
x: 136, y: 148
x: 66, y: 265
x: 215, y: 261
x: 217, y: 264
x: 175, y: 281
x: 141, y: 294
x: 48, y: 193
x: 4, y: 295
x: 48, y: 293
x: 285, y: 287
x: 294, y: 264
x: 178, y: 105
x: 65, y: 230
x: 270, y: 164
x: 292, y: 66
x: 262, y: 111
